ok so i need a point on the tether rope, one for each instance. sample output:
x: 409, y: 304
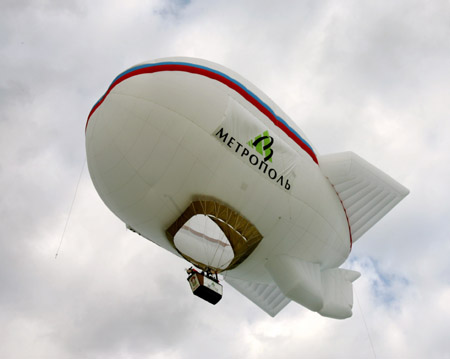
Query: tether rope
x: 365, y: 324
x: 70, y: 210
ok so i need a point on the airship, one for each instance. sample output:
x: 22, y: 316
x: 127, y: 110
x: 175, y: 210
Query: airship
x: 193, y: 157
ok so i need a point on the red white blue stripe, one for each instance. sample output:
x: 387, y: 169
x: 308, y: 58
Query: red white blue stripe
x: 218, y: 76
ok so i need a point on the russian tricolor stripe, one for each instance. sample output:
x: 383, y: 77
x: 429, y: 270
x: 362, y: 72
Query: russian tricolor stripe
x: 218, y: 76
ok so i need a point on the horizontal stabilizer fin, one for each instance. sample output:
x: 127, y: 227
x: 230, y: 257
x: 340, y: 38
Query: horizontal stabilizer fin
x: 298, y: 280
x: 266, y: 296
x: 338, y: 292
x: 328, y: 292
x: 366, y: 192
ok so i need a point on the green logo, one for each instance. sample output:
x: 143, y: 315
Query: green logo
x: 262, y: 144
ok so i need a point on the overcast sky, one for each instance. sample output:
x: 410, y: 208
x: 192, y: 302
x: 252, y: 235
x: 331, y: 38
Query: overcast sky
x: 368, y: 76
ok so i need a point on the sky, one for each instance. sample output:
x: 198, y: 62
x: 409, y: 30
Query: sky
x: 371, y: 77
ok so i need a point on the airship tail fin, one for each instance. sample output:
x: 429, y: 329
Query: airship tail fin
x: 328, y: 292
x: 366, y: 192
x: 266, y: 296
x: 337, y: 292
